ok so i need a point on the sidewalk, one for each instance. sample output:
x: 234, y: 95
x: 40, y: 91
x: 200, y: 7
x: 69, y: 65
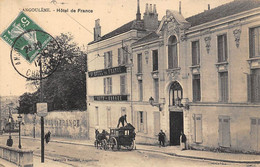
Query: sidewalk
x: 176, y: 151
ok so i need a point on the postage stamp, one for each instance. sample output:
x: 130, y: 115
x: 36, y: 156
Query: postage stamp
x: 30, y: 43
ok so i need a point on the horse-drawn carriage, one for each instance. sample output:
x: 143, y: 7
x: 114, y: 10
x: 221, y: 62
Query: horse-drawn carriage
x: 123, y: 136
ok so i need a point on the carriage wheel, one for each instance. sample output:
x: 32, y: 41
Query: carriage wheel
x: 132, y: 146
x: 113, y: 144
x: 96, y: 144
x: 104, y: 144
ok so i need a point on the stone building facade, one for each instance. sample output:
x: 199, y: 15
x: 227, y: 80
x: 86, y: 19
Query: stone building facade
x: 199, y: 75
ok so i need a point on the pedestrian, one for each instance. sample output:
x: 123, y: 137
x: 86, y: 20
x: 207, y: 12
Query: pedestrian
x: 161, y: 138
x: 47, y: 137
x: 122, y: 120
x: 183, y: 140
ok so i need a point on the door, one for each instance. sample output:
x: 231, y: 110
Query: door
x: 224, y: 132
x: 176, y: 126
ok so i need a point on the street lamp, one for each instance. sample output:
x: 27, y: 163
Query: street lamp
x: 159, y: 105
x: 19, y: 120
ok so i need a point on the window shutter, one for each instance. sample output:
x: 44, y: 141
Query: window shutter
x: 145, y: 122
x: 225, y: 47
x: 198, y: 125
x: 220, y: 49
x: 138, y: 120
x: 170, y: 57
x: 175, y: 56
x: 104, y: 79
x: 110, y: 85
x: 249, y: 88
x: 252, y: 42
x: 105, y: 60
x: 194, y: 53
x: 220, y: 138
x: 119, y: 56
x: 125, y: 55
x: 110, y: 59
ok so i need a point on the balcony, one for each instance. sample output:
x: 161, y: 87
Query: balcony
x: 254, y: 62
x: 195, y: 69
x: 222, y: 66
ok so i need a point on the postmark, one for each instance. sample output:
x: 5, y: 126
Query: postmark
x: 45, y: 61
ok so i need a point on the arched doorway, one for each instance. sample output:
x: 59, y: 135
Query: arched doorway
x: 175, y: 113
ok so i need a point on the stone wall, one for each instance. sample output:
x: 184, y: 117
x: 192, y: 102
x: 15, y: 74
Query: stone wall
x: 70, y: 124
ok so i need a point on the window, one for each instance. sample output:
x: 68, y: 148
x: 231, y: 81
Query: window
x: 142, y: 121
x: 139, y: 63
x: 123, y: 84
x: 157, y: 128
x: 122, y: 55
x: 140, y: 85
x: 156, y: 90
x: 175, y: 92
x: 254, y: 86
x: 198, y: 128
x: 108, y: 85
x: 155, y: 60
x: 223, y: 76
x: 195, y: 53
x: 109, y: 117
x: 254, y: 42
x: 108, y: 59
x: 196, y: 88
x: 97, y: 116
x: 222, y: 48
x: 172, y: 53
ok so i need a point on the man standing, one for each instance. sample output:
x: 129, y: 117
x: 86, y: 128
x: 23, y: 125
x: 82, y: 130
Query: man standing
x: 183, y: 140
x: 122, y: 119
x: 161, y: 138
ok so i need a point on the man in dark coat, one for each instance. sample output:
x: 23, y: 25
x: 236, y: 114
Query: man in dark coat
x: 183, y: 140
x: 9, y: 142
x: 48, y: 137
x: 122, y: 120
x: 161, y: 138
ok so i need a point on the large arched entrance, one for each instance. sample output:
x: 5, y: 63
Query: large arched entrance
x: 175, y: 113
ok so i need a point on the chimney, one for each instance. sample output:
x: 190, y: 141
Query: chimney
x: 146, y: 8
x: 154, y: 9
x: 138, y: 14
x: 97, y: 30
x: 208, y: 6
x: 179, y: 7
x: 150, y: 18
x: 151, y: 8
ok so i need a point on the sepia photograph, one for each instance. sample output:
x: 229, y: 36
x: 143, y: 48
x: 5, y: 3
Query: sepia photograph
x: 130, y: 83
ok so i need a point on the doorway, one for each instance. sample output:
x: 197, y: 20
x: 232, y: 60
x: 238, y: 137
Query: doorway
x: 176, y: 127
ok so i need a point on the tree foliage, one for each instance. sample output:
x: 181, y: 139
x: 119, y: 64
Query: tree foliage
x: 65, y: 89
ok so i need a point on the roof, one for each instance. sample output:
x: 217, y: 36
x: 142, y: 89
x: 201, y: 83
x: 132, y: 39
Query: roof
x: 150, y: 37
x: 225, y: 10
x: 132, y: 25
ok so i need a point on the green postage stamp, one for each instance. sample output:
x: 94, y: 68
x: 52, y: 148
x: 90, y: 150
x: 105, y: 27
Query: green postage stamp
x: 22, y: 37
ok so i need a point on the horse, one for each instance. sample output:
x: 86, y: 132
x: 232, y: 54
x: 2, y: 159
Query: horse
x: 100, y: 136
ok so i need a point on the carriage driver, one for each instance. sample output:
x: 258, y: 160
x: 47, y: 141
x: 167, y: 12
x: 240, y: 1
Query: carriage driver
x: 122, y: 119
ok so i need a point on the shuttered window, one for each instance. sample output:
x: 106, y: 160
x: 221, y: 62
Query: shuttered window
x: 223, y: 81
x: 108, y: 59
x: 224, y: 131
x: 139, y: 63
x: 142, y: 121
x: 155, y: 60
x: 196, y: 88
x: 254, y: 86
x: 123, y: 84
x: 195, y: 53
x: 122, y: 55
x: 198, y: 128
x: 107, y: 85
x: 222, y: 48
x: 172, y: 53
x: 254, y: 42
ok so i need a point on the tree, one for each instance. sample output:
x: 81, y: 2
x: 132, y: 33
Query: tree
x: 65, y: 89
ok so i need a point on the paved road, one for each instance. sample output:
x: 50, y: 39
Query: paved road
x: 79, y: 156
